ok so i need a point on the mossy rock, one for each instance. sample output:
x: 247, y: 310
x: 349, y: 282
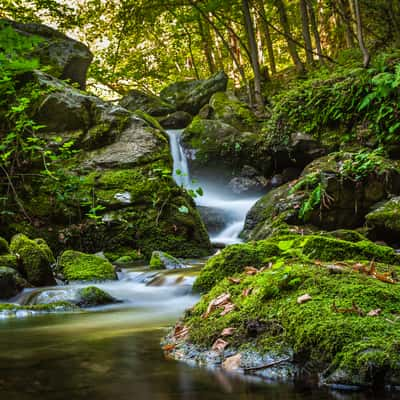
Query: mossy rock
x: 384, y: 221
x: 77, y: 266
x: 11, y: 282
x: 329, y: 333
x: 36, y: 259
x: 92, y: 296
x: 9, y: 260
x: 234, y: 259
x: 4, y: 249
x: 162, y: 260
x: 58, y: 306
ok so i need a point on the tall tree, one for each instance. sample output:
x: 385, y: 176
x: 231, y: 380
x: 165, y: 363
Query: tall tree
x: 306, y: 31
x: 360, y: 35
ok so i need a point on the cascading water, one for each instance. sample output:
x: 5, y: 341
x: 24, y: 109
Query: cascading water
x: 232, y: 209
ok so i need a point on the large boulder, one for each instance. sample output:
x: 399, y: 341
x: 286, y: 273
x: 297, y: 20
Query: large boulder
x: 65, y: 58
x: 77, y: 266
x: 384, y: 221
x: 92, y: 296
x: 335, y: 191
x: 190, y: 96
x: 36, y: 259
x: 11, y: 283
x: 116, y: 191
x: 149, y: 103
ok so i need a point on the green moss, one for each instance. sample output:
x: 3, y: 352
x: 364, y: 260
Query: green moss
x: 149, y: 119
x: 51, y: 307
x: 4, y: 246
x: 318, y: 330
x: 9, y: 260
x: 36, y: 259
x: 233, y: 259
x: 155, y: 262
x: 162, y: 260
x: 77, y: 266
x: 326, y: 249
x: 92, y: 296
x: 386, y: 217
x: 347, y: 234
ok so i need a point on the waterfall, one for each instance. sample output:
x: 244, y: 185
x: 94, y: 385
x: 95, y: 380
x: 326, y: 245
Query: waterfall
x: 230, y: 207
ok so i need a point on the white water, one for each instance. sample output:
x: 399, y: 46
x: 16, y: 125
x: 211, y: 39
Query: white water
x: 233, y: 208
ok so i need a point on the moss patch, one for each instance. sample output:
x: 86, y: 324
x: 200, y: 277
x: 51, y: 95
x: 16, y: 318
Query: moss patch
x: 77, y: 266
x: 92, y: 296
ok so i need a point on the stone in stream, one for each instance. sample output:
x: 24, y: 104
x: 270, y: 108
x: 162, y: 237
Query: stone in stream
x: 11, y: 283
x: 162, y: 260
x: 92, y: 296
x: 35, y: 258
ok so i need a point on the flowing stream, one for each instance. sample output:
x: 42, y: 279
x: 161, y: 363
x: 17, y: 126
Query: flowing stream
x: 113, y: 351
x: 229, y: 207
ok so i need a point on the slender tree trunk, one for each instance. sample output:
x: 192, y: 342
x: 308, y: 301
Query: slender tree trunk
x: 253, y: 55
x: 345, y: 17
x: 267, y: 36
x: 306, y: 31
x: 206, y: 40
x: 360, y: 36
x: 314, y: 27
x: 290, y: 42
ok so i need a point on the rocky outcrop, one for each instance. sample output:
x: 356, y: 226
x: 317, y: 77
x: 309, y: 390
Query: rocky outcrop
x: 331, y: 193
x: 146, y: 102
x: 64, y: 57
x: 190, y: 96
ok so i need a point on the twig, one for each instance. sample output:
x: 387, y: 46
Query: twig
x: 272, y: 364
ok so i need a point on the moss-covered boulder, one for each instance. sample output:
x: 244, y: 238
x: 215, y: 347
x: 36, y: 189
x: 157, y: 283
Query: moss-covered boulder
x: 92, y: 296
x: 333, y: 192
x: 384, y: 221
x: 234, y: 259
x: 226, y: 107
x: 11, y: 282
x: 344, y: 331
x: 147, y: 102
x: 10, y: 261
x: 63, y: 57
x: 190, y: 96
x: 162, y: 260
x: 4, y: 249
x: 36, y: 259
x: 77, y: 266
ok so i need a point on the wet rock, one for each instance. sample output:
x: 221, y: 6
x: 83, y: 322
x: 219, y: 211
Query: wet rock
x: 162, y: 260
x: 190, y: 96
x: 150, y: 104
x: 214, y: 219
x: 11, y: 283
x: 36, y: 259
x: 4, y: 246
x: 92, y: 296
x: 243, y: 184
x: 65, y: 57
x: 176, y: 120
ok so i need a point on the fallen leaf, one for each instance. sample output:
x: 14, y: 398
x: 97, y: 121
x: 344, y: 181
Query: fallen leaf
x: 247, y: 291
x: 374, y: 313
x: 168, y: 347
x: 219, y: 345
x: 227, y: 309
x: 234, y: 280
x: 250, y: 270
x: 181, y: 331
x: 304, y: 298
x: 232, y: 363
x: 215, y: 303
x: 228, y: 331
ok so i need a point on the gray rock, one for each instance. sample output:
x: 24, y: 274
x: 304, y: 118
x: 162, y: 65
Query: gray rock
x: 150, y: 104
x: 190, y: 96
x: 67, y: 58
x: 176, y: 120
x: 162, y: 260
x: 214, y: 219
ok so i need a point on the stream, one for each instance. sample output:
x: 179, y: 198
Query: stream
x: 113, y: 352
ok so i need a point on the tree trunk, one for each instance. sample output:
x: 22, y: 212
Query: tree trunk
x: 360, y: 36
x: 249, y: 28
x: 267, y: 36
x: 206, y: 40
x: 306, y: 31
x: 290, y: 42
x: 314, y: 27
